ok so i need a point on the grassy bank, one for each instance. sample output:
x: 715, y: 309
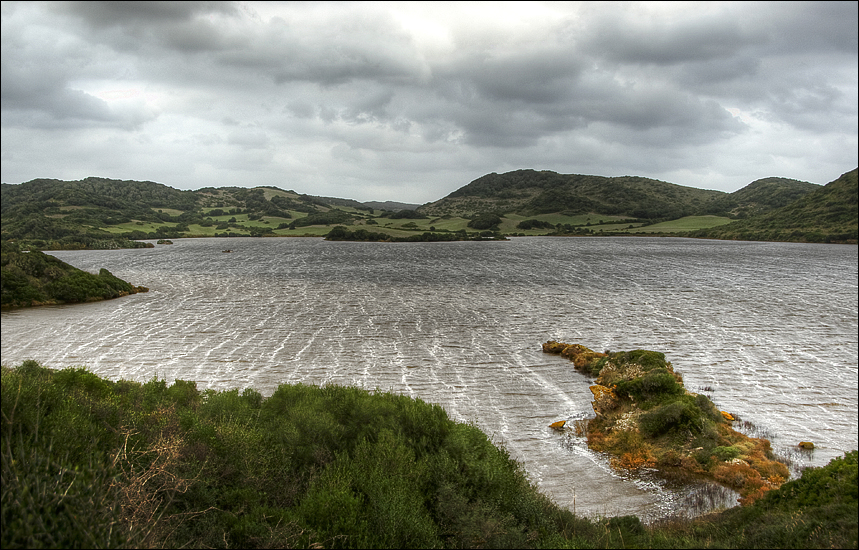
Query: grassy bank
x: 88, y: 462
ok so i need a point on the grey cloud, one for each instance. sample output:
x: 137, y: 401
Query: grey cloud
x: 106, y: 14
x: 322, y: 90
x: 144, y: 26
x: 806, y: 27
x: 248, y: 138
x: 531, y: 75
x: 329, y: 51
x: 626, y: 35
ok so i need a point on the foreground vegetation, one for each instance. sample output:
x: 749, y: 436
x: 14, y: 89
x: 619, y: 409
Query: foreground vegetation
x: 34, y: 278
x: 88, y: 462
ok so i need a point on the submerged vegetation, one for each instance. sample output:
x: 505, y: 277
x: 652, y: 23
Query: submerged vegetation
x: 89, y: 462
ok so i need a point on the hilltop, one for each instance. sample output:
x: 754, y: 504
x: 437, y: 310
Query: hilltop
x: 531, y: 193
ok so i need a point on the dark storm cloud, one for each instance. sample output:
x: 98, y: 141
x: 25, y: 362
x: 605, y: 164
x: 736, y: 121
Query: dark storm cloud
x: 179, y: 25
x: 336, y: 92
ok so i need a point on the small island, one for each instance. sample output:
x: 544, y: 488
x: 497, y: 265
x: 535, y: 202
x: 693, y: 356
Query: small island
x: 645, y: 417
x: 342, y: 233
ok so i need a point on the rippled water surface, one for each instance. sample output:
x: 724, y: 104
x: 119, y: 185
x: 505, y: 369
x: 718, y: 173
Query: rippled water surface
x: 770, y: 329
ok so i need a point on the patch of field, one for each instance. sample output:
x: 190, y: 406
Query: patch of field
x: 689, y: 223
x: 135, y: 226
x: 308, y: 231
x: 614, y: 227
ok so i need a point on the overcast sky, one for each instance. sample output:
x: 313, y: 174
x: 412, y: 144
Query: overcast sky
x: 409, y: 102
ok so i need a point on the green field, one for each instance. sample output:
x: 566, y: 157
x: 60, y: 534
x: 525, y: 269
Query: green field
x: 596, y: 223
x: 689, y: 223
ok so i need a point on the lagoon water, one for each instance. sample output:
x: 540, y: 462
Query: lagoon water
x: 766, y: 330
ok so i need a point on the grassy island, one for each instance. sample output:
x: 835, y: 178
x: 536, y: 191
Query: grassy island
x: 645, y: 417
x: 89, y: 463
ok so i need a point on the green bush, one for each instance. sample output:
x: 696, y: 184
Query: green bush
x: 726, y: 454
x: 649, y: 360
x: 677, y: 416
x: 658, y: 385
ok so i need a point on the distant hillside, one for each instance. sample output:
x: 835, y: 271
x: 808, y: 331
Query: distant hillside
x: 531, y: 192
x: 761, y: 196
x: 391, y: 205
x: 827, y: 214
x: 105, y: 213
x: 99, y: 213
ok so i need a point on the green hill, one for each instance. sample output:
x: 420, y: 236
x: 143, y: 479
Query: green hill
x: 103, y: 213
x: 532, y: 192
x: 827, y: 214
x: 761, y: 196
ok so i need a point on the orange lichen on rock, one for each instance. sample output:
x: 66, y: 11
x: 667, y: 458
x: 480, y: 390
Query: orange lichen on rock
x: 581, y: 356
x: 553, y: 347
x: 604, y: 399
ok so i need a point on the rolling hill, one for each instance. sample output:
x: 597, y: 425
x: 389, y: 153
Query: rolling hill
x: 105, y: 213
x: 829, y: 214
x: 532, y: 192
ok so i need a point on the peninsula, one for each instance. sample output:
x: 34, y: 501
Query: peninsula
x: 34, y: 278
x: 645, y: 417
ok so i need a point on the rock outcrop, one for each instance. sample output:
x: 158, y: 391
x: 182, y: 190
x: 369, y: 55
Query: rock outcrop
x: 645, y: 417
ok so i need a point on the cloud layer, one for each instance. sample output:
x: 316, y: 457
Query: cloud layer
x: 409, y: 102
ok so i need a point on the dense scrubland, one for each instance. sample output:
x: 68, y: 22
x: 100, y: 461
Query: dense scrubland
x: 89, y: 462
x: 33, y: 278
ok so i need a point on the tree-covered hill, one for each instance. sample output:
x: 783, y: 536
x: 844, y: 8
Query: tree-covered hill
x: 761, y: 196
x: 532, y: 192
x: 827, y: 214
x: 33, y: 278
x: 103, y: 213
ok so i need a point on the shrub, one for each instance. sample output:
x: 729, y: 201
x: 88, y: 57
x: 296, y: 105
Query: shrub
x: 658, y: 384
x: 726, y: 454
x: 676, y: 416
